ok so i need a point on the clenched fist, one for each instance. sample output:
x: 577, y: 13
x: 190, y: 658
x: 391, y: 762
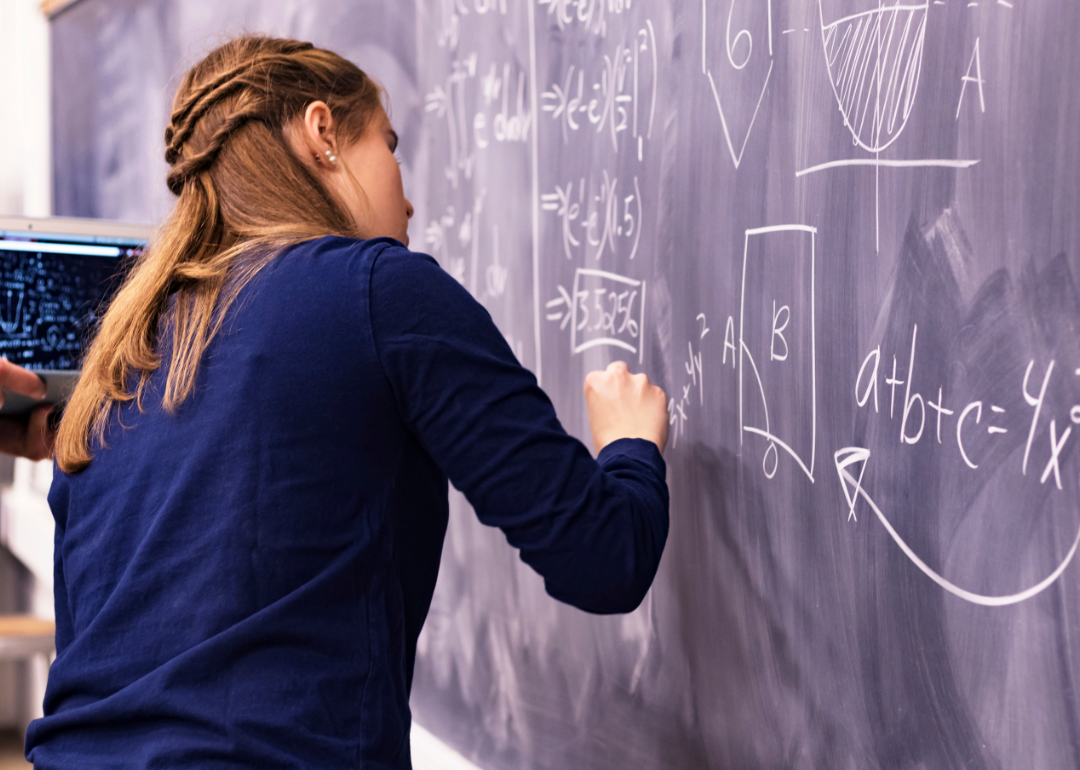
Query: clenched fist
x: 624, y: 405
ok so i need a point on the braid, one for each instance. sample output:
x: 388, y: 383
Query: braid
x: 284, y: 56
x: 175, y: 137
x: 201, y: 100
x: 186, y: 168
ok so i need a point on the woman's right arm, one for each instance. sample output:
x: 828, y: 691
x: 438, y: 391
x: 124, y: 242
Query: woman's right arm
x: 593, y: 528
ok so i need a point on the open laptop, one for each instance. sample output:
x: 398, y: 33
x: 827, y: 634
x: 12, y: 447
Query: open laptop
x: 55, y: 275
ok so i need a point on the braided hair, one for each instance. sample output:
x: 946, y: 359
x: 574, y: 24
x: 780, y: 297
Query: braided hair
x: 246, y: 91
x: 243, y: 194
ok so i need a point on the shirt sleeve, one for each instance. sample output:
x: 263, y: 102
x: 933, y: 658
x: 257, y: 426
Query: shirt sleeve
x: 593, y: 529
x: 58, y: 504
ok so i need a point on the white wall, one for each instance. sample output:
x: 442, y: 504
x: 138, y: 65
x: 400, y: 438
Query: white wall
x: 25, y: 189
x: 25, y: 151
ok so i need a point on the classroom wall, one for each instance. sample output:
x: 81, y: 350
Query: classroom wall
x: 25, y: 166
x: 803, y: 616
x: 25, y: 190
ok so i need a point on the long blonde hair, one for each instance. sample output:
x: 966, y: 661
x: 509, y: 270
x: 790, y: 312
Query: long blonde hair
x: 243, y: 195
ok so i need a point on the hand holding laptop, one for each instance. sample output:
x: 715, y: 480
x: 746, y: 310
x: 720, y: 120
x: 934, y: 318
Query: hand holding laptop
x: 26, y: 435
x: 56, y: 273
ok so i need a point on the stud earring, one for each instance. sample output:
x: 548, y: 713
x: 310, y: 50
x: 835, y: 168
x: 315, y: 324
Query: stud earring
x: 331, y: 157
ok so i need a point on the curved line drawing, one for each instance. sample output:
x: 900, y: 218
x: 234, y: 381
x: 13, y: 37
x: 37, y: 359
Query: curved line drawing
x: 12, y: 323
x: 974, y: 598
x: 765, y: 461
x: 54, y: 336
x: 765, y: 406
x: 874, y: 68
x: 730, y: 46
x: 761, y: 387
x: 777, y: 442
x: 879, y: 163
x: 605, y: 341
x: 773, y: 440
x: 637, y: 236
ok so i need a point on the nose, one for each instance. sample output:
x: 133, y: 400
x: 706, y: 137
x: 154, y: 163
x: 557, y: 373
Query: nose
x: 408, y: 208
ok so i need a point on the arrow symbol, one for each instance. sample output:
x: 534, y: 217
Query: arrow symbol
x: 844, y: 458
x: 555, y: 313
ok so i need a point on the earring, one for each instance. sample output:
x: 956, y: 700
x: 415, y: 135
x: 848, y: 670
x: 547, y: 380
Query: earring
x: 331, y: 157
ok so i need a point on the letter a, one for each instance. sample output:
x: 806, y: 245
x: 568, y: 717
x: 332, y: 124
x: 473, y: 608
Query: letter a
x: 729, y: 341
x: 978, y: 80
x: 875, y: 354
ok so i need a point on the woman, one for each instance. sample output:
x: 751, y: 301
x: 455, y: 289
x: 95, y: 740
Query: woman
x: 245, y: 549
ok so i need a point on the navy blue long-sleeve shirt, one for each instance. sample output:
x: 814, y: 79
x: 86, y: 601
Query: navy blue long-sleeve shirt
x: 241, y: 584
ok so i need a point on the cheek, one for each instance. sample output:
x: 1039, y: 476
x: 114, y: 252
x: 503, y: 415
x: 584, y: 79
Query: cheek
x: 353, y: 184
x: 395, y: 188
x: 394, y: 174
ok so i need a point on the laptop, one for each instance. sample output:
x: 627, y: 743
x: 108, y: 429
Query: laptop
x: 55, y: 276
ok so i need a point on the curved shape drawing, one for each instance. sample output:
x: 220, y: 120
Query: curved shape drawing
x: 11, y: 324
x: 765, y: 403
x: 874, y: 59
x: 849, y: 455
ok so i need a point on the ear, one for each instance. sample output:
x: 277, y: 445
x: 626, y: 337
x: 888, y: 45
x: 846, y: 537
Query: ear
x: 318, y: 131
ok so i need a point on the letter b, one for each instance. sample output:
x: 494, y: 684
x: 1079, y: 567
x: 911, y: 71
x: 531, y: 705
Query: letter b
x: 778, y: 332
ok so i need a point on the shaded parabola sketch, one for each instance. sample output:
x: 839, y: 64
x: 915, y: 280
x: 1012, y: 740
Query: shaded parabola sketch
x: 874, y: 59
x: 849, y: 457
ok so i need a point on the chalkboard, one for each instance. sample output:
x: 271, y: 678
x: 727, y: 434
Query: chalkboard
x: 843, y: 236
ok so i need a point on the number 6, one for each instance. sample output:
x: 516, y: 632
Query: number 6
x: 732, y: 45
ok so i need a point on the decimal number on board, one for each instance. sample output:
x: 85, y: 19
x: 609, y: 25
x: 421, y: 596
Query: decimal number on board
x: 602, y: 309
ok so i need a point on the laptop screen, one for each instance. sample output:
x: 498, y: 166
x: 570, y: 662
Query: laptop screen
x: 53, y: 283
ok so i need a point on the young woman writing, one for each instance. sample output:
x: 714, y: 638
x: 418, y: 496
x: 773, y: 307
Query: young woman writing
x: 252, y: 488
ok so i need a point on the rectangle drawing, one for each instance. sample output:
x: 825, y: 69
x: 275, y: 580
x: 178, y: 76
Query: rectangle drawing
x: 777, y: 345
x: 608, y: 309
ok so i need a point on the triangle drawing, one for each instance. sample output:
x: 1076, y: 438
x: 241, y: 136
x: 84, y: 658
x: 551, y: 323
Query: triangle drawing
x: 737, y: 158
x: 847, y: 457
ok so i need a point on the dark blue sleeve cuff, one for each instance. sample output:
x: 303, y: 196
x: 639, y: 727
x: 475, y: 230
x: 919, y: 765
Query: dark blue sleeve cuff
x: 639, y: 449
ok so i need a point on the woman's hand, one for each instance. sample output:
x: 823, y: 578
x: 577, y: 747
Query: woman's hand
x: 624, y: 405
x: 25, y: 435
